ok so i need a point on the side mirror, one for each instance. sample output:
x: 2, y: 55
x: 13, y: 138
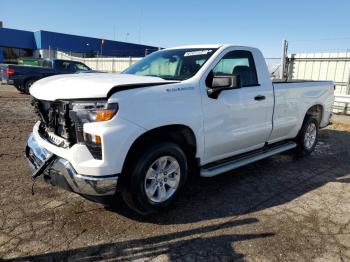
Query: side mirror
x: 221, y: 83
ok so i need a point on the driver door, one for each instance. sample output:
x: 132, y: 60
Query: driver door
x: 238, y: 120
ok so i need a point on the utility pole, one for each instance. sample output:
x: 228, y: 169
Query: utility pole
x: 348, y: 85
x: 102, y: 42
x: 283, y: 59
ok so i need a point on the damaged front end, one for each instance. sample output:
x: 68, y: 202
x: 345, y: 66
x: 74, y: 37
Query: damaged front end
x: 61, y: 125
x: 62, y: 122
x: 56, y: 125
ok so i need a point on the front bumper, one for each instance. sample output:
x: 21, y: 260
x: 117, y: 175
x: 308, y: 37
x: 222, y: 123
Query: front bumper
x: 61, y: 173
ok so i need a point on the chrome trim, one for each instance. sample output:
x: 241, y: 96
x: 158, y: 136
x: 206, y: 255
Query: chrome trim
x: 37, y: 151
x: 86, y: 185
x: 61, y: 168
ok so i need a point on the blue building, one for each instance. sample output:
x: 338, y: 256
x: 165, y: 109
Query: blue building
x: 18, y: 43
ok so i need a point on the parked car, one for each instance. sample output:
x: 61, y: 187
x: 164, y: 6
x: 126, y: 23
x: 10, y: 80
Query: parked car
x: 23, y: 76
x: 31, y: 61
x: 141, y: 133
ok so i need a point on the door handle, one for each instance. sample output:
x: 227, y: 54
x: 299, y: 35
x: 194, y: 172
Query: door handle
x: 259, y: 98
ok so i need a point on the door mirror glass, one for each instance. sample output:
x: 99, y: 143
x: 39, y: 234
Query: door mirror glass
x: 224, y: 81
x: 221, y: 83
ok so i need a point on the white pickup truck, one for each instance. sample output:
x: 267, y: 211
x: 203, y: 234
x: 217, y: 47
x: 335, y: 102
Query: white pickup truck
x: 177, y: 112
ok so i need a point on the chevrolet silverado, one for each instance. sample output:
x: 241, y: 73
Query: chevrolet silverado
x: 204, y: 110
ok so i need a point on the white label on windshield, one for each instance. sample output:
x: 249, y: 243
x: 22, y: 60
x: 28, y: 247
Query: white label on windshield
x: 200, y: 52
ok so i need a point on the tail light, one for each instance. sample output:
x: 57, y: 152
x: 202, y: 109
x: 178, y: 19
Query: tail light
x: 10, y: 71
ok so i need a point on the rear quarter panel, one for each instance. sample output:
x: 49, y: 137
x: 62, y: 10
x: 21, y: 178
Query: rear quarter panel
x: 292, y: 101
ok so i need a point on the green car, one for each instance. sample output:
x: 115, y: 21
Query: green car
x: 30, y: 61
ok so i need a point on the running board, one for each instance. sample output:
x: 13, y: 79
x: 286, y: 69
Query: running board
x: 214, y: 170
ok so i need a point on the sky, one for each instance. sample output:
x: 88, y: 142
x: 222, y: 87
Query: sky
x: 308, y: 26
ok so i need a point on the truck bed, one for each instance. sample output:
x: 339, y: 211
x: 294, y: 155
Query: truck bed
x: 293, y: 98
x: 284, y: 81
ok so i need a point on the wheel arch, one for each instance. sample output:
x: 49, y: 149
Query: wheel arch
x: 26, y: 80
x: 180, y: 134
x: 30, y: 78
x: 315, y: 111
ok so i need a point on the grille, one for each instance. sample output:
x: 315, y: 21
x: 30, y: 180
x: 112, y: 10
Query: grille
x: 58, y: 118
x: 55, y: 118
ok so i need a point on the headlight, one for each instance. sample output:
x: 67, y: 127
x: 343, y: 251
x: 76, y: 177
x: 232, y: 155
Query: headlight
x: 87, y: 112
x: 83, y: 112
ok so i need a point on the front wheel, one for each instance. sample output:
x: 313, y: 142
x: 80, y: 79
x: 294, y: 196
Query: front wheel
x: 156, y: 179
x: 308, y: 137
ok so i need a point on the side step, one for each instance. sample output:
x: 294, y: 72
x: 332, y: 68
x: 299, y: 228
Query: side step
x: 222, y: 167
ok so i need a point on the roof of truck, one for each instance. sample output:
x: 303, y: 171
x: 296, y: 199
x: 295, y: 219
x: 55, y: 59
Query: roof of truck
x: 197, y: 46
x: 208, y: 46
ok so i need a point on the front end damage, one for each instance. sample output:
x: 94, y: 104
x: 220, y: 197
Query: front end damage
x: 59, y: 127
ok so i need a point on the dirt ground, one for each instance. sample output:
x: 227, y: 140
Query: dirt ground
x: 279, y: 209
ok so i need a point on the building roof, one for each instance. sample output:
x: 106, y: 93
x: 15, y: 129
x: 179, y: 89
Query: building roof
x: 70, y: 43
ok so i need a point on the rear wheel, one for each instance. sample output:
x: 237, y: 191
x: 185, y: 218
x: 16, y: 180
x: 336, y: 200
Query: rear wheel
x: 308, y: 136
x: 156, y: 179
x: 19, y: 88
x: 27, y: 85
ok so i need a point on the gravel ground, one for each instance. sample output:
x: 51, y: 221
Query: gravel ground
x: 281, y: 208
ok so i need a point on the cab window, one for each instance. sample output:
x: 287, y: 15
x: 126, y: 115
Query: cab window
x: 63, y: 65
x: 47, y: 64
x: 81, y: 67
x: 238, y: 63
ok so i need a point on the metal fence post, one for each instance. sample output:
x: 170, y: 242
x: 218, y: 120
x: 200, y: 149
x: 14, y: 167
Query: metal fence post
x: 283, y: 59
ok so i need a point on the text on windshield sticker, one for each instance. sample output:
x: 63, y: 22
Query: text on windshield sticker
x: 200, y: 52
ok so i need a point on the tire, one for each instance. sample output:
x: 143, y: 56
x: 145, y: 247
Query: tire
x: 19, y: 89
x: 308, y: 137
x: 27, y: 84
x: 147, y: 175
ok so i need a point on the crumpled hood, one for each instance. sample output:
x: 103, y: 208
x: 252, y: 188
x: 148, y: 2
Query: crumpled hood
x: 92, y: 85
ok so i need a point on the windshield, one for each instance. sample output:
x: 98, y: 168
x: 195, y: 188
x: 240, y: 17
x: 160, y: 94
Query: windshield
x: 173, y: 64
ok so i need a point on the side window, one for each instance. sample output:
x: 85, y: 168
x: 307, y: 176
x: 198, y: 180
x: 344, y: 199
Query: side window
x: 80, y: 67
x: 239, y: 63
x: 63, y: 65
x: 47, y: 64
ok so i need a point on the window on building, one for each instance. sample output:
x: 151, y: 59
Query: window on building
x: 11, y: 55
